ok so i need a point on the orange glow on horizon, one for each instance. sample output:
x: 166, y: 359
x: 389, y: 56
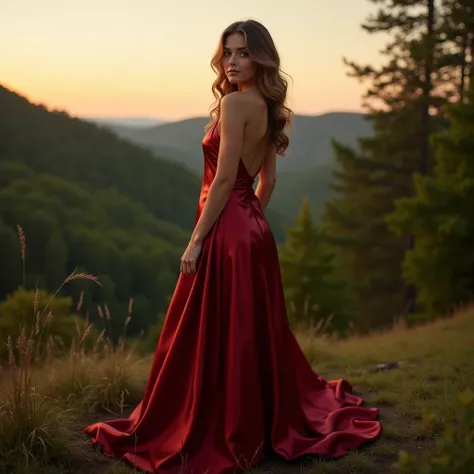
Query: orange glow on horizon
x: 129, y: 59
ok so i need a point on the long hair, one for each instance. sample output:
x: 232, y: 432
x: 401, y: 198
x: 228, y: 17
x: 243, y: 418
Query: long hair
x: 269, y: 79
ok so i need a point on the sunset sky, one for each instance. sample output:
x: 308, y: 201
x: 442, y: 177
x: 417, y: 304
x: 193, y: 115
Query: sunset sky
x: 150, y: 58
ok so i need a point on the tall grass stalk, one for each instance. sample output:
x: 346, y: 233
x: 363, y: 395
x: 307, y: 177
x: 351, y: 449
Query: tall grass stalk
x: 32, y: 426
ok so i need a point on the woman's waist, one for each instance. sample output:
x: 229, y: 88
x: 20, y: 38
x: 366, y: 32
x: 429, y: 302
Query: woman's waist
x: 242, y: 196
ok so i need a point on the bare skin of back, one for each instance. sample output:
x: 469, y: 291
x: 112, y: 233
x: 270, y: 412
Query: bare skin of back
x: 257, y: 154
x: 255, y: 148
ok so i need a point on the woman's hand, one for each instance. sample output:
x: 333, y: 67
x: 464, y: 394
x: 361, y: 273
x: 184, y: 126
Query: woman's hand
x: 189, y: 258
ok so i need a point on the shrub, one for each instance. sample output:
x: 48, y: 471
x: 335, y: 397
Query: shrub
x: 455, y: 453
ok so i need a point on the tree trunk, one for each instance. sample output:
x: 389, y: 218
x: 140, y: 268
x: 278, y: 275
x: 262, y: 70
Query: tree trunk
x: 410, y: 290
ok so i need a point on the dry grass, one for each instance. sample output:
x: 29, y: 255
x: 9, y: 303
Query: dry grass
x: 46, y: 388
x: 97, y: 382
x: 427, y: 379
x: 48, y: 391
x: 435, y: 363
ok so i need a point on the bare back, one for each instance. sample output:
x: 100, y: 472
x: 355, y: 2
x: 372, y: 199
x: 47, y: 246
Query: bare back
x: 255, y: 146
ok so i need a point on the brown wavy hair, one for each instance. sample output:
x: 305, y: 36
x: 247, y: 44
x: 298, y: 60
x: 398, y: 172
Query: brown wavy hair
x: 269, y: 80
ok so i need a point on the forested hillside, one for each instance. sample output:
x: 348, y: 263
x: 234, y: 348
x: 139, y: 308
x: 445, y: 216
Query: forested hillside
x: 86, y: 199
x: 52, y: 142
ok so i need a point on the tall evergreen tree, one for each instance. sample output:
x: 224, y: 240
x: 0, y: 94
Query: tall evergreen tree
x: 456, y: 34
x: 441, y: 265
x: 372, y: 178
x: 311, y: 289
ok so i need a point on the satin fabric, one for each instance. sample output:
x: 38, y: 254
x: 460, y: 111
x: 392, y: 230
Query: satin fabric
x: 229, y: 382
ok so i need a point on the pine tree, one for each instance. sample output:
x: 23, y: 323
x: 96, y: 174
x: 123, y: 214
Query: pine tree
x: 441, y: 265
x: 457, y: 35
x: 312, y: 292
x: 372, y: 178
x: 366, y: 250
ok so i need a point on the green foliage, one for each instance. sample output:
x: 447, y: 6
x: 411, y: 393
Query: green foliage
x: 311, y: 291
x: 100, y: 232
x: 455, y: 450
x: 368, y: 255
x: 36, y: 431
x: 441, y: 265
x: 91, y: 201
x: 371, y: 179
x: 33, y: 429
x: 50, y: 141
x: 24, y: 308
x: 103, y: 379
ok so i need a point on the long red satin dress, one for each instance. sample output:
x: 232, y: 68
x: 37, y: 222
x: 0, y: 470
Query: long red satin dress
x: 229, y: 382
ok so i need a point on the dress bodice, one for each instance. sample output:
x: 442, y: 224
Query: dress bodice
x: 243, y: 186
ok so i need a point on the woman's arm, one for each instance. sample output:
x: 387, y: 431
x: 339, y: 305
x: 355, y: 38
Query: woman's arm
x: 232, y: 120
x: 267, y: 179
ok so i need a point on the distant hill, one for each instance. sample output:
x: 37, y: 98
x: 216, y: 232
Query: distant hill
x: 53, y: 142
x: 293, y: 186
x: 132, y: 122
x: 310, y: 138
x: 306, y: 171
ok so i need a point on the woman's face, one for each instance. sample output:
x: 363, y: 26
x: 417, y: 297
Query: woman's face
x: 236, y: 58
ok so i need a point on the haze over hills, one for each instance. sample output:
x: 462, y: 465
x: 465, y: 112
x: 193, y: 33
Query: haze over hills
x: 132, y: 122
x: 310, y: 138
x: 307, y: 170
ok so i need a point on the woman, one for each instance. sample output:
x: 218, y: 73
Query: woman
x: 229, y: 382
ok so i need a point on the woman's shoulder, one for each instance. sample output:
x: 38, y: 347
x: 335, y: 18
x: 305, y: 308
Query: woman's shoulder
x: 253, y: 103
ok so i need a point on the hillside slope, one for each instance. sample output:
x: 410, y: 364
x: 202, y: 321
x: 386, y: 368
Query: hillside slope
x: 92, y: 156
x: 86, y: 199
x: 50, y: 141
x: 310, y: 138
x: 434, y: 363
